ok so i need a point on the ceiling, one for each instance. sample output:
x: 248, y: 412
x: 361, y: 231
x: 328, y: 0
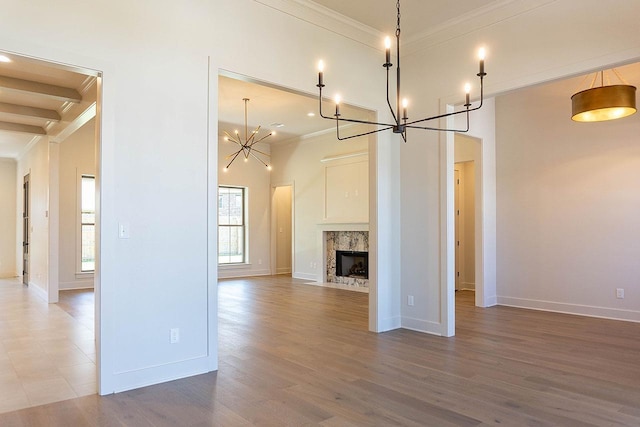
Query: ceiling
x: 39, y: 99
x: 274, y: 109
x: 417, y: 16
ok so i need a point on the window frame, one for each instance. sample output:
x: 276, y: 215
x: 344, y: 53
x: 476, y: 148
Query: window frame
x: 80, y: 224
x: 244, y: 226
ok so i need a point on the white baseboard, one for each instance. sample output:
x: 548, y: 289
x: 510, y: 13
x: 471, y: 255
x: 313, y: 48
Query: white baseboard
x: 233, y: 273
x: 425, y: 326
x: 304, y: 276
x: 76, y: 284
x: 577, y: 309
x: 39, y: 292
x: 468, y: 286
x: 389, y: 324
x: 339, y: 286
x: 283, y: 270
x: 491, y: 301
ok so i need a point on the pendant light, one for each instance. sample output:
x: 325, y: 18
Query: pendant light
x: 246, y: 145
x: 602, y: 103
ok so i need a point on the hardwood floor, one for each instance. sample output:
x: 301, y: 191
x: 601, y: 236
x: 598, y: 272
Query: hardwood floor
x: 293, y: 354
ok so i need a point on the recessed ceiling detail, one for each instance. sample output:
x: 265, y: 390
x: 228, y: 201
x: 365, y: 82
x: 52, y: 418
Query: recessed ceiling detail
x: 39, y: 99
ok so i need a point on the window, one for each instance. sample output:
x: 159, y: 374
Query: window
x: 87, y: 223
x: 231, y: 225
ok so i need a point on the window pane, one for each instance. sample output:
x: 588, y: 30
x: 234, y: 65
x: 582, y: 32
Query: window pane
x: 231, y: 235
x: 230, y: 244
x: 88, y: 247
x: 88, y: 220
x: 88, y: 195
x: 223, y: 206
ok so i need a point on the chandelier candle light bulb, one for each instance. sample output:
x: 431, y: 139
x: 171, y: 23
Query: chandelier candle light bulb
x: 338, y: 99
x: 320, y: 73
x: 387, y: 47
x: 405, y: 104
x: 467, y: 90
x: 481, y: 54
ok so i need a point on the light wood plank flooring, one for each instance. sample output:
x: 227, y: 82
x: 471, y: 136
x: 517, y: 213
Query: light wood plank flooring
x: 294, y: 355
x: 46, y: 355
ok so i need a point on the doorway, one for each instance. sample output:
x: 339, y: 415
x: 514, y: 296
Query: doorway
x: 282, y: 229
x: 49, y: 108
x: 464, y: 214
x: 26, y: 205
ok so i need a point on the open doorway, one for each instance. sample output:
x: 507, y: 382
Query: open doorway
x: 47, y: 109
x: 315, y: 190
x: 467, y: 217
x: 282, y: 229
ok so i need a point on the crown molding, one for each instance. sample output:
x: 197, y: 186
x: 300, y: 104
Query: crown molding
x: 491, y: 14
x: 328, y: 19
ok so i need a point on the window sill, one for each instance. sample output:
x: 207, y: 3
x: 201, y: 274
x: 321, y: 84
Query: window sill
x: 238, y: 266
x: 84, y: 275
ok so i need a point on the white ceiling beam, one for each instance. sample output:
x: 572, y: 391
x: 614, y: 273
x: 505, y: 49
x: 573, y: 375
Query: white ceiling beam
x: 18, y: 127
x: 59, y: 93
x: 76, y: 124
x: 33, y: 112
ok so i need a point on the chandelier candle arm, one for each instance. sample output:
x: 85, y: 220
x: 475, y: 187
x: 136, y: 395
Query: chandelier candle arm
x: 399, y: 113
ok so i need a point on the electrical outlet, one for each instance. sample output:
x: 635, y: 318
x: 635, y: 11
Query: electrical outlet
x: 259, y: 262
x: 410, y: 300
x: 175, y: 335
x: 620, y: 293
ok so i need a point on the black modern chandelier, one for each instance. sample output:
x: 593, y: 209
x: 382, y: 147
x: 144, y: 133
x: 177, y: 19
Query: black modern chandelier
x: 246, y: 145
x: 401, y: 120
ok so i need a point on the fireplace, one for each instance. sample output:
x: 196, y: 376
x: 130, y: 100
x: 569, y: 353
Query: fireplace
x: 352, y: 264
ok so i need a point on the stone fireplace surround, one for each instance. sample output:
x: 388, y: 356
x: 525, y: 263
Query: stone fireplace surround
x: 349, y: 237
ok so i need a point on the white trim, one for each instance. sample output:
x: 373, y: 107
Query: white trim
x: 388, y: 324
x: 425, y: 326
x: 129, y: 380
x: 76, y: 124
x: 327, y: 19
x: 78, y: 284
x: 575, y: 309
x: 344, y: 156
x: 472, y: 21
x: 304, y: 276
x: 338, y: 286
x: 232, y: 274
x: 39, y: 292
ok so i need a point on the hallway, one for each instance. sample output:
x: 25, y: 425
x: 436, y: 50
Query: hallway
x: 46, y: 354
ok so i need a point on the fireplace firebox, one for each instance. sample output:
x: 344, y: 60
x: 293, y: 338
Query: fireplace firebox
x: 352, y: 264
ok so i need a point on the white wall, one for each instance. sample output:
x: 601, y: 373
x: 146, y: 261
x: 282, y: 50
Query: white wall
x: 8, y: 216
x: 299, y: 162
x: 157, y: 171
x: 568, y: 200
x: 255, y: 177
x: 540, y: 42
x: 77, y: 157
x: 35, y: 162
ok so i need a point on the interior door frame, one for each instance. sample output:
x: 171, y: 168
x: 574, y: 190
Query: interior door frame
x: 274, y: 230
x: 26, y: 228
